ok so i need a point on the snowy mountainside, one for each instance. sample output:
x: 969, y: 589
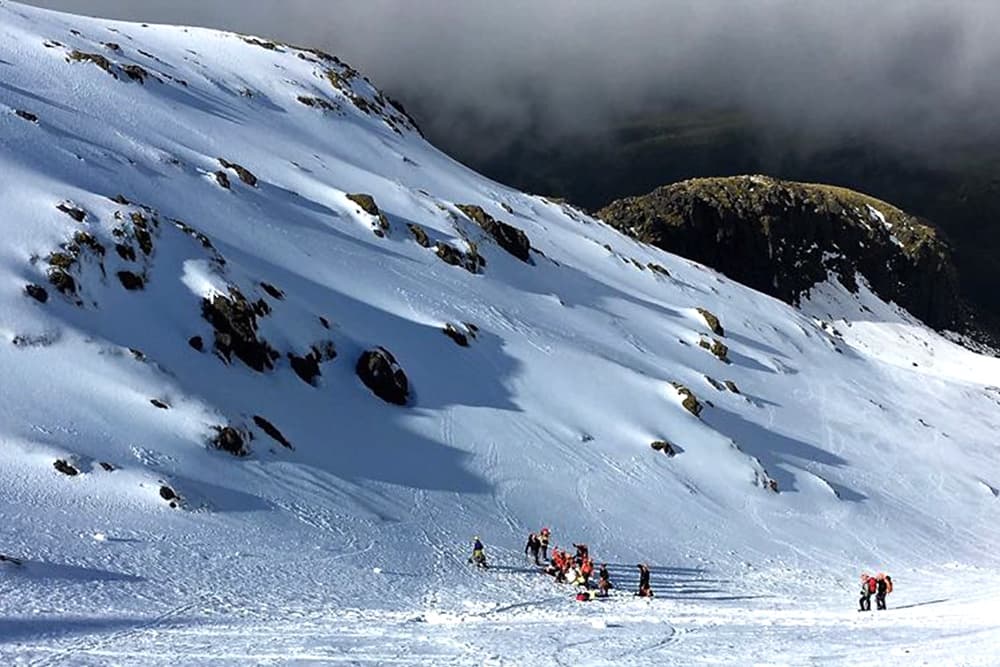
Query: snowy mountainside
x: 208, y: 237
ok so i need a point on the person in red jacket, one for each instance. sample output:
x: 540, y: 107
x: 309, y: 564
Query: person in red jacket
x: 586, y: 570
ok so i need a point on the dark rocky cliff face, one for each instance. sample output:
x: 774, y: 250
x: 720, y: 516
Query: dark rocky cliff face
x: 782, y: 238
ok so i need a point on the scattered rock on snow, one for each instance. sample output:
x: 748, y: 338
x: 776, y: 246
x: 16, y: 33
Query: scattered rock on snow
x: 379, y: 371
x: 664, y: 446
x: 419, y: 235
x: 452, y: 332
x: 368, y: 205
x: 160, y: 404
x: 731, y: 386
x: 244, y: 174
x: 131, y: 281
x: 26, y: 115
x: 508, y: 237
x: 235, y: 322
x: 36, y: 292
x: 713, y: 322
x: 73, y: 211
x: 689, y: 400
x: 107, y: 467
x: 272, y: 431
x: 273, y: 291
x: 65, y: 467
x: 229, y: 439
x: 197, y: 343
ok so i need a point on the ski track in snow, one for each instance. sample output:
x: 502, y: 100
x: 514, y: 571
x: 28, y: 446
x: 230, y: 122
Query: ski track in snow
x: 351, y: 546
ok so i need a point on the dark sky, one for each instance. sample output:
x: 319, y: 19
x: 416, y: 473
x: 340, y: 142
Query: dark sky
x: 914, y: 73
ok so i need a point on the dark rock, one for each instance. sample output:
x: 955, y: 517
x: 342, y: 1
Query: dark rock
x: 452, y: 332
x: 272, y: 431
x: 120, y: 199
x: 317, y: 103
x: 96, y: 58
x: 244, y: 174
x: 665, y: 447
x: 731, y: 386
x: 264, y: 44
x: 307, y: 367
x: 367, y: 204
x: 168, y: 494
x: 657, y: 268
x: 160, y: 404
x: 72, y: 211
x: 419, y: 235
x: 712, y: 321
x: 235, y: 324
x: 37, y: 292
x: 325, y: 322
x: 62, y: 281
x: 26, y: 115
x: 222, y: 178
x: 136, y: 73
x: 230, y: 440
x: 273, y: 291
x: 379, y: 371
x: 508, y: 237
x: 125, y: 251
x: 472, y: 262
x: 197, y: 343
x: 107, y: 467
x: 131, y: 281
x: 65, y: 468
x: 689, y: 400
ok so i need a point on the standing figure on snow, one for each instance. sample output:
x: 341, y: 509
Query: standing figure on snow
x: 534, y: 545
x: 603, y: 580
x: 883, y: 586
x: 645, y: 590
x: 868, y: 587
x: 543, y: 541
x: 478, y: 553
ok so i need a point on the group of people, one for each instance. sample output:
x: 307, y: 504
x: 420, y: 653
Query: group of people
x: 880, y: 585
x: 578, y: 569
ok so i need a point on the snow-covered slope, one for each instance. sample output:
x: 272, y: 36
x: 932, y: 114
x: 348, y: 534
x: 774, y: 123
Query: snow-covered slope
x: 166, y: 189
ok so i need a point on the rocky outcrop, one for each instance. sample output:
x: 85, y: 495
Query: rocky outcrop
x: 380, y: 372
x: 508, y: 237
x: 782, y: 238
x: 235, y: 322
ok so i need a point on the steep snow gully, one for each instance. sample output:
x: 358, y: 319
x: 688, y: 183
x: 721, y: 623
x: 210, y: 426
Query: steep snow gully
x: 269, y: 361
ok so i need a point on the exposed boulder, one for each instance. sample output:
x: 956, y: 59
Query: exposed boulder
x: 26, y: 115
x: 731, y: 386
x: 368, y: 205
x: 244, y: 174
x: 419, y: 235
x: 159, y: 404
x: 105, y: 466
x: 273, y: 291
x: 37, y: 292
x: 65, y: 467
x: 453, y: 332
x: 307, y: 367
x: 472, y: 261
x: 380, y: 372
x: 73, y: 211
x: 664, y: 446
x: 508, y: 237
x: 272, y: 431
x: 688, y: 399
x: 131, y: 281
x: 235, y: 322
x: 782, y: 238
x: 222, y: 178
x: 712, y: 321
x: 197, y: 343
x: 229, y: 439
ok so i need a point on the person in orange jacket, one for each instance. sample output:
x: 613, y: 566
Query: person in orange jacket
x: 586, y: 570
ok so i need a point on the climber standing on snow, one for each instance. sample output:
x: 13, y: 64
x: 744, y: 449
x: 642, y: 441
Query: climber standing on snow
x: 543, y: 541
x: 868, y: 587
x: 883, y: 586
x: 645, y: 591
x: 478, y: 553
x: 534, y: 545
x: 603, y: 580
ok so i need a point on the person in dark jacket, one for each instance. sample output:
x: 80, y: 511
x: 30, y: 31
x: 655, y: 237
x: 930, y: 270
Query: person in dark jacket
x: 645, y: 590
x: 868, y: 587
x: 603, y: 580
x: 534, y: 546
x: 883, y: 586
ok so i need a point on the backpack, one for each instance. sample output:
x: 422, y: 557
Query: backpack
x: 872, y: 585
x: 888, y: 584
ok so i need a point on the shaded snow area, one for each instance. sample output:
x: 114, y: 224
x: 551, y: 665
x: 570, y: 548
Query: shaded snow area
x: 203, y: 234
